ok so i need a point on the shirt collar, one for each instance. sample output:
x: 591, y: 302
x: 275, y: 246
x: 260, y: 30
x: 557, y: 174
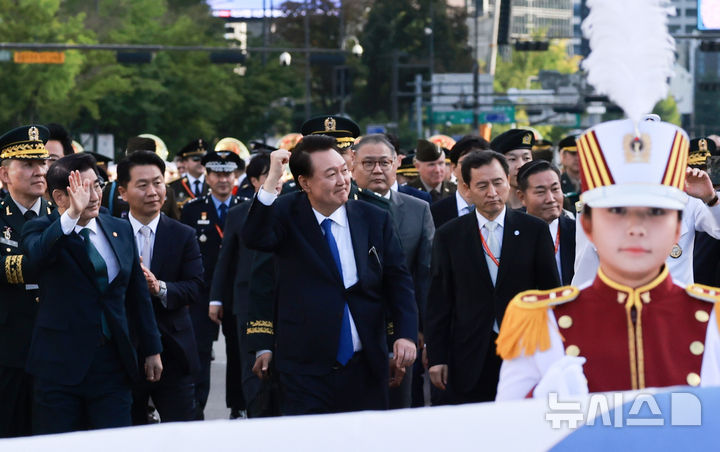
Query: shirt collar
x: 339, y: 216
x: 217, y: 202
x: 428, y: 188
x: 500, y: 219
x: 35, y: 207
x: 193, y: 179
x: 92, y: 225
x: 394, y: 186
x: 461, y: 203
x: 136, y: 225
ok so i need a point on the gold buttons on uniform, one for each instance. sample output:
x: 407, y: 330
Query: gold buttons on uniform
x: 572, y: 350
x: 702, y: 316
x: 693, y: 379
x: 622, y: 296
x: 37, y: 299
x: 7, y: 249
x: 697, y: 348
x: 645, y: 297
x: 565, y: 321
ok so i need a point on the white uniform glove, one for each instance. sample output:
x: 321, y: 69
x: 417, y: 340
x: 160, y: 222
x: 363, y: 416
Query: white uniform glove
x: 564, y: 377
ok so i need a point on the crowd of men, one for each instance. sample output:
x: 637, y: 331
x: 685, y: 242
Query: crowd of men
x: 345, y: 274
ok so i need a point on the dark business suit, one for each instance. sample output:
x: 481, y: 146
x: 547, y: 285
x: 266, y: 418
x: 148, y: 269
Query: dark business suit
x: 231, y: 285
x: 567, y: 249
x: 419, y: 194
x: 311, y: 297
x: 463, y: 304
x: 416, y: 231
x: 444, y: 211
x: 201, y: 215
x: 81, y: 376
x: 176, y: 260
x: 18, y: 308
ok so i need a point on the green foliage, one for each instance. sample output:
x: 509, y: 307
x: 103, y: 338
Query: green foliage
x: 668, y: 111
x: 518, y: 70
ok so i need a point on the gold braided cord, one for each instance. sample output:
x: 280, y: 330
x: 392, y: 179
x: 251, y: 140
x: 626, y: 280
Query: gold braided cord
x: 35, y: 148
x: 13, y: 269
x: 260, y: 331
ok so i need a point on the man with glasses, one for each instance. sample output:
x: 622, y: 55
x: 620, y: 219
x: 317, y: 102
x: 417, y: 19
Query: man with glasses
x: 192, y: 185
x: 374, y: 163
x: 23, y: 164
x: 92, y: 295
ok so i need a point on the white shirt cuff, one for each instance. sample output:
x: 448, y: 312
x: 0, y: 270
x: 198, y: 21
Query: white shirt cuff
x: 67, y: 224
x: 265, y: 197
x: 259, y: 353
x: 216, y: 303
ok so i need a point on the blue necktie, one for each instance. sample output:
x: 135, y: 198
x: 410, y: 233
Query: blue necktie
x: 197, y: 188
x: 345, y: 347
x: 222, y: 212
x: 101, y: 274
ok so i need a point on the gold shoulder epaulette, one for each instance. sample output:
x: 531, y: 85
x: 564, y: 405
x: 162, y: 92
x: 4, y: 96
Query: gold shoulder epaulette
x: 525, y: 324
x: 702, y: 292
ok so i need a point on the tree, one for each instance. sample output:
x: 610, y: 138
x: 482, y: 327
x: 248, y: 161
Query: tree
x: 519, y: 68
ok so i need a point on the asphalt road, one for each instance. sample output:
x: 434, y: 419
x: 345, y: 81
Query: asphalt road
x: 215, y: 408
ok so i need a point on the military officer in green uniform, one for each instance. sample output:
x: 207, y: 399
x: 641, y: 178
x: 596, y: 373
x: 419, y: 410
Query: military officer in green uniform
x: 23, y: 164
x: 192, y: 185
x: 430, y: 164
x: 570, y: 177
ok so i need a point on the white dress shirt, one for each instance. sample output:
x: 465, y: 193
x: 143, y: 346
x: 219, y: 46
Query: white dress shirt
x: 394, y: 186
x: 139, y: 238
x: 500, y: 220
x: 554, y: 228
x: 340, y: 229
x: 696, y: 217
x: 35, y: 207
x: 98, y: 239
x: 462, y: 205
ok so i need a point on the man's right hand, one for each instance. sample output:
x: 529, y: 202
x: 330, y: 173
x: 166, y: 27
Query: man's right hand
x: 278, y: 160
x: 262, y: 366
x: 79, y: 194
x: 439, y: 375
x: 215, y: 312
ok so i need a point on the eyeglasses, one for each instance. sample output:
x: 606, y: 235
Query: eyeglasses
x: 369, y: 165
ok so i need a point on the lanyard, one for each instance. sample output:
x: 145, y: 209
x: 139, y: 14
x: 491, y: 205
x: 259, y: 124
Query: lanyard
x: 187, y: 189
x: 487, y: 248
x: 557, y: 240
x: 219, y: 231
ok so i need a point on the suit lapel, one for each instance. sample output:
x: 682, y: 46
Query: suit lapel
x: 396, y: 207
x: 161, y: 243
x: 307, y: 223
x: 359, y: 235
x: 477, y: 254
x: 111, y: 236
x: 77, y: 251
x: 509, y: 245
x: 567, y: 247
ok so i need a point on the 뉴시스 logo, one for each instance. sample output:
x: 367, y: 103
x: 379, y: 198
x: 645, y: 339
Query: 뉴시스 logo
x: 644, y: 410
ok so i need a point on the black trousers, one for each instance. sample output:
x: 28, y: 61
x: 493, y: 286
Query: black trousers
x: 261, y: 396
x: 16, y: 399
x: 205, y: 333
x: 234, y: 398
x: 352, y: 387
x: 101, y: 400
x: 173, y: 396
x: 486, y: 387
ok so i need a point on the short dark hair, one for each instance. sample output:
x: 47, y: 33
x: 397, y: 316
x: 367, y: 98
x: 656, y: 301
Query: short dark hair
x: 59, y: 133
x: 375, y: 138
x: 137, y: 158
x: 59, y: 172
x: 394, y: 140
x: 300, y: 163
x: 259, y: 165
x: 534, y: 167
x: 467, y: 144
x: 476, y: 159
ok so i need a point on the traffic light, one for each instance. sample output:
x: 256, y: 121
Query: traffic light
x: 228, y: 57
x: 531, y: 46
x: 504, y: 23
x: 709, y: 46
x: 134, y: 57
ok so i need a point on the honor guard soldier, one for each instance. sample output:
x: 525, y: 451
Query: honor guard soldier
x: 23, y: 164
x: 206, y: 215
x: 192, y: 185
x: 633, y: 327
x: 111, y: 198
x: 430, y: 163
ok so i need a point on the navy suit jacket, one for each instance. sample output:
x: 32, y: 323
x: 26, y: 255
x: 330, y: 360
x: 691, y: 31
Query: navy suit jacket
x: 68, y: 326
x: 567, y: 249
x: 310, y: 292
x: 176, y: 260
x: 444, y: 210
x: 412, y: 191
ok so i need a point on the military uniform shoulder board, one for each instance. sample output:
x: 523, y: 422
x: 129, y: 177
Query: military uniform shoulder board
x: 579, y: 206
x: 524, y: 327
x: 193, y: 201
x: 174, y: 180
x: 702, y: 292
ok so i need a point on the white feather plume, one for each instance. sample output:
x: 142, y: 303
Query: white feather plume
x: 632, y: 53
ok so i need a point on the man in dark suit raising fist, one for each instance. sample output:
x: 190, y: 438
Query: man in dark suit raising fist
x: 480, y: 262
x: 340, y: 264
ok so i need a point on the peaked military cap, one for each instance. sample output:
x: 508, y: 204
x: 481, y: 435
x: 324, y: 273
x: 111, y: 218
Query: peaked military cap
x: 135, y: 144
x: 194, y: 148
x: 569, y: 144
x: 222, y: 162
x: 26, y: 142
x: 407, y: 168
x: 427, y: 151
x: 513, y: 139
x: 344, y: 130
x: 543, y: 150
x: 466, y: 144
x: 259, y: 147
x: 700, y: 150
